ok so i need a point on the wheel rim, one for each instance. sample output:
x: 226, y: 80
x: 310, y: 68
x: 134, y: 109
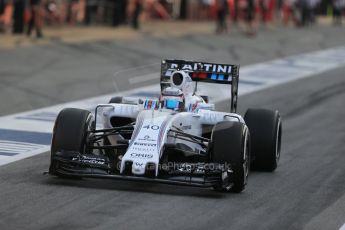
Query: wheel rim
x: 278, y: 140
x: 245, y: 164
x: 229, y: 186
x: 246, y: 159
x: 89, y: 126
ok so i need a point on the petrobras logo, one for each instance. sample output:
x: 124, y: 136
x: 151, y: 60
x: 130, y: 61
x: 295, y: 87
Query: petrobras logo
x: 208, y: 67
x: 142, y: 155
x: 145, y: 144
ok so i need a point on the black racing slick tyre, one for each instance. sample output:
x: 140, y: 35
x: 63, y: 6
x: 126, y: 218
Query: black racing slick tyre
x: 116, y: 100
x: 231, y: 145
x: 265, y: 128
x: 69, y: 133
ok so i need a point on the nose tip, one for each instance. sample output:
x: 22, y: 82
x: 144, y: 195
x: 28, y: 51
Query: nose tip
x: 138, y: 168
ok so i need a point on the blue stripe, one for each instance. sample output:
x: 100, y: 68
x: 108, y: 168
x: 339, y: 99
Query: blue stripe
x: 221, y: 77
x: 8, y: 154
x: 25, y: 136
x: 214, y: 76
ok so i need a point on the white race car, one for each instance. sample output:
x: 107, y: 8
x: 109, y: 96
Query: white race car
x: 177, y: 138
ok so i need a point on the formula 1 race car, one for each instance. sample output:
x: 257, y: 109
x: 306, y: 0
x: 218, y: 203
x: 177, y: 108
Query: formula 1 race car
x: 177, y: 138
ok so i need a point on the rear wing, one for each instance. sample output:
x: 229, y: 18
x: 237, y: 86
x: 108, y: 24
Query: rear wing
x: 204, y: 72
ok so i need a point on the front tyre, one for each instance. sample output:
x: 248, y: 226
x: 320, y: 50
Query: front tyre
x: 230, y: 145
x: 266, y: 132
x: 69, y: 133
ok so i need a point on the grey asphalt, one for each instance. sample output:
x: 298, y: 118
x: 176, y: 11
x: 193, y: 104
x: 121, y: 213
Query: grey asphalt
x: 306, y: 192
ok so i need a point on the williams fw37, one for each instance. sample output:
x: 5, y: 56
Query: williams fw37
x: 177, y: 138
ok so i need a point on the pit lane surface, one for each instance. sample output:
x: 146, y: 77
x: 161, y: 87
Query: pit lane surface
x: 307, y: 190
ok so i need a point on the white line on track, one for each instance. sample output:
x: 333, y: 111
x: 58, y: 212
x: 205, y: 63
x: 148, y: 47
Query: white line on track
x: 342, y: 227
x: 33, y: 128
x: 139, y: 79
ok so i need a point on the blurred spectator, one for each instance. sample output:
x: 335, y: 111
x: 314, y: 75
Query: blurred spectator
x: 266, y: 8
x: 307, y: 8
x: 2, y: 7
x: 289, y: 11
x: 183, y: 9
x: 313, y: 6
x: 65, y: 11
x: 137, y: 10
x: 250, y: 13
x: 81, y: 11
x: 222, y: 11
x: 54, y: 12
x: 72, y: 11
x: 7, y: 15
x: 235, y: 11
x: 159, y: 8
x: 2, y: 13
x: 36, y: 18
x: 18, y: 16
x: 270, y: 6
x: 263, y: 8
x: 91, y: 7
x: 119, y: 14
x: 338, y: 8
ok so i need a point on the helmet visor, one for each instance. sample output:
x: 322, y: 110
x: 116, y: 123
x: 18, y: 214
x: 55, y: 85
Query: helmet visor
x: 172, y: 104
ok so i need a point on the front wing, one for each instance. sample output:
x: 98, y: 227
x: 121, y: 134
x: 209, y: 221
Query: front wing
x: 73, y: 164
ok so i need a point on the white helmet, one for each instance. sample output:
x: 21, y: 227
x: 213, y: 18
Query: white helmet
x: 182, y: 81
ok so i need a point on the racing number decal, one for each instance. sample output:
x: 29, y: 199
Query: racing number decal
x: 153, y: 127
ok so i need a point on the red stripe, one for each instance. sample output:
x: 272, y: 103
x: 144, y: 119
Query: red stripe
x: 202, y: 75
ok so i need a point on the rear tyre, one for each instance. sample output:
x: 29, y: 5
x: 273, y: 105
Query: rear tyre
x: 116, y: 100
x: 231, y: 145
x: 266, y: 132
x: 69, y: 133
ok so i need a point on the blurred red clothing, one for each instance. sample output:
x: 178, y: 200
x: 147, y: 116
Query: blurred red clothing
x: 6, y: 17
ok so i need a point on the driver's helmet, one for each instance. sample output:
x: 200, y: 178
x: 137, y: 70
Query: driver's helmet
x: 172, y: 98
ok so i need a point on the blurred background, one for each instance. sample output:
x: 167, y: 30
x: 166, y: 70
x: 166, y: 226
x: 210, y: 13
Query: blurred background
x: 27, y: 16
